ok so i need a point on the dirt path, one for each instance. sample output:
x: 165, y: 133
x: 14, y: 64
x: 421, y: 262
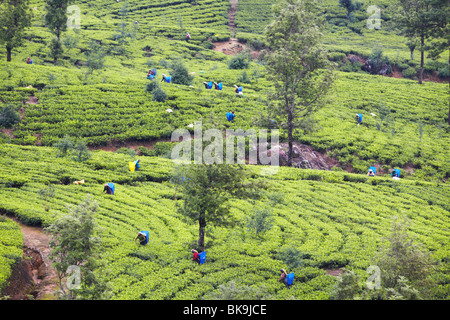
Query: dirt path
x: 37, y: 240
x: 34, y: 275
x: 233, y: 46
x: 232, y: 15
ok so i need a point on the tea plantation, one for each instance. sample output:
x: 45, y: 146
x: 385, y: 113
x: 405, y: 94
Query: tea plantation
x: 332, y: 219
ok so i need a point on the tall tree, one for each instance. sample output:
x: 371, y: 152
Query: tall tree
x: 400, y: 255
x: 56, y: 21
x: 75, y: 246
x: 415, y: 18
x: 297, y: 64
x: 440, y: 15
x: 206, y: 190
x: 15, y: 17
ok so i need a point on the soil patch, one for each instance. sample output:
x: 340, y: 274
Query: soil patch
x: 8, y: 132
x: 32, y: 100
x: 334, y: 272
x: 396, y: 74
x: 229, y: 47
x: 233, y: 46
x: 34, y: 275
x: 114, y: 145
x: 306, y: 157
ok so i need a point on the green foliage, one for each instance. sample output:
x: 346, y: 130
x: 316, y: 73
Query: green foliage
x: 377, y: 61
x: 349, y: 66
x: 8, y: 116
x: 240, y: 61
x: 444, y: 72
x: 337, y: 56
x: 152, y: 85
x: 56, y: 16
x: 402, y: 291
x: 14, y: 19
x: 338, y: 218
x: 80, y: 151
x: 208, y: 45
x: 47, y: 193
x: 75, y: 242
x: 293, y: 258
x: 160, y: 149
x: 334, y: 223
x: 56, y: 49
x: 128, y: 151
x: 348, y: 286
x: 297, y: 64
x: 64, y: 146
x: 180, y: 73
x: 260, y: 221
x: 95, y: 57
x: 402, y: 256
x: 244, y: 78
x: 159, y: 95
x: 11, y: 242
x: 76, y: 148
x: 222, y: 182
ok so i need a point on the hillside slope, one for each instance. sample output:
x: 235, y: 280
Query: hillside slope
x: 335, y: 219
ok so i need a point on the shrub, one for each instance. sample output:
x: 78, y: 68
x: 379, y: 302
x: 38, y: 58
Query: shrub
x: 80, y: 151
x: 152, y: 85
x: 377, y: 61
x: 128, y: 151
x: 260, y: 221
x: 208, y: 45
x: 64, y: 145
x: 9, y: 117
x: 180, y: 74
x: 292, y: 257
x: 409, y: 72
x: 257, y: 44
x: 402, y: 256
x: 351, y: 67
x: 444, y: 72
x: 161, y: 149
x: 159, y: 95
x: 336, y: 56
x: 347, y: 287
x: 241, y: 61
x: 244, y: 78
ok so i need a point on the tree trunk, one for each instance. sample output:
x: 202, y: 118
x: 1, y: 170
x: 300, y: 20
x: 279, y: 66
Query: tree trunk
x: 58, y: 33
x: 422, y: 57
x: 8, y: 53
x: 201, y: 232
x: 58, y: 36
x: 291, y: 138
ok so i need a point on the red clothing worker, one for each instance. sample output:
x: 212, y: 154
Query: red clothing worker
x: 195, y: 256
